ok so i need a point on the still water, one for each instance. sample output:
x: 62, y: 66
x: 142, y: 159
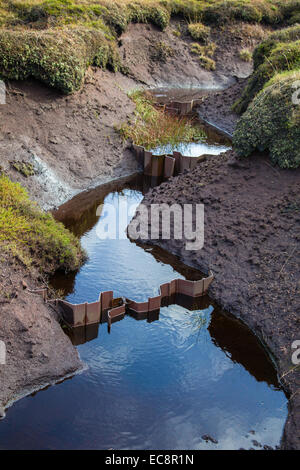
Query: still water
x: 193, y: 149
x: 161, y: 385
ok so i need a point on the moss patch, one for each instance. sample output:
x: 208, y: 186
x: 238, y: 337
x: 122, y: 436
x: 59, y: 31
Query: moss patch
x: 32, y: 236
x: 245, y: 55
x: 56, y: 40
x: 199, y: 31
x: 26, y: 169
x: 161, y: 51
x: 59, y: 60
x: 272, y: 122
x: 278, y: 53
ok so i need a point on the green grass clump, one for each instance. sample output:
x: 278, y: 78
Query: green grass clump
x: 199, y: 31
x: 114, y: 14
x: 59, y: 60
x: 205, y: 54
x: 226, y: 11
x: 263, y: 50
x: 246, y: 55
x: 56, y: 40
x: 26, y: 169
x: 153, y: 127
x: 272, y: 122
x: 34, y: 237
x: 161, y: 51
x: 272, y: 56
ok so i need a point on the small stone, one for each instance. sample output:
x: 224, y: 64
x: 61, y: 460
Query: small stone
x: 256, y: 443
x: 208, y: 438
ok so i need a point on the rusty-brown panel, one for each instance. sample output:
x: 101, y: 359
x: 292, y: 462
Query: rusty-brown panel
x: 207, y: 282
x: 198, y: 288
x: 157, y: 167
x: 164, y: 289
x: 106, y: 299
x: 184, y: 163
x: 78, y: 314
x: 173, y: 287
x: 115, y: 312
x: 139, y: 151
x: 169, y: 165
x: 185, y: 287
x: 177, y: 156
x: 147, y: 163
x: 154, y: 303
x: 138, y: 306
x: 93, y: 313
x: 67, y: 311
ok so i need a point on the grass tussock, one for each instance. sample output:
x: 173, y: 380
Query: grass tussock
x: 271, y: 119
x: 59, y: 60
x: 199, y: 31
x: 245, y: 55
x: 272, y: 122
x: 205, y: 54
x: 153, y: 127
x: 161, y: 51
x: 34, y: 237
x: 56, y: 40
x: 278, y: 53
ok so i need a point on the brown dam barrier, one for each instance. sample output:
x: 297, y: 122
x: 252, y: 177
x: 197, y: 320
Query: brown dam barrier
x: 164, y: 165
x: 182, y: 108
x: 168, y: 165
x: 108, y: 309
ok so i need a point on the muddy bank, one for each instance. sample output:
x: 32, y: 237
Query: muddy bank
x: 216, y: 107
x: 251, y: 244
x: 71, y: 142
x: 178, y: 67
x: 38, y: 353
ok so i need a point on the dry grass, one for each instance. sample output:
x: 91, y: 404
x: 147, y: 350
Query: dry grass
x: 153, y: 127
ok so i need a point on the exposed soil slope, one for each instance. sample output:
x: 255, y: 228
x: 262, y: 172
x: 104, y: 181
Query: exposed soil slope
x: 141, y: 44
x: 252, y: 220
x: 38, y: 352
x: 71, y: 141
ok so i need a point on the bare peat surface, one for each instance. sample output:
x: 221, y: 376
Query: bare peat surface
x: 252, y: 219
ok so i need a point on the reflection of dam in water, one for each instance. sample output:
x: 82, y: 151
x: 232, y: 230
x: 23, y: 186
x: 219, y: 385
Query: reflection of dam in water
x: 108, y: 309
x: 86, y: 333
